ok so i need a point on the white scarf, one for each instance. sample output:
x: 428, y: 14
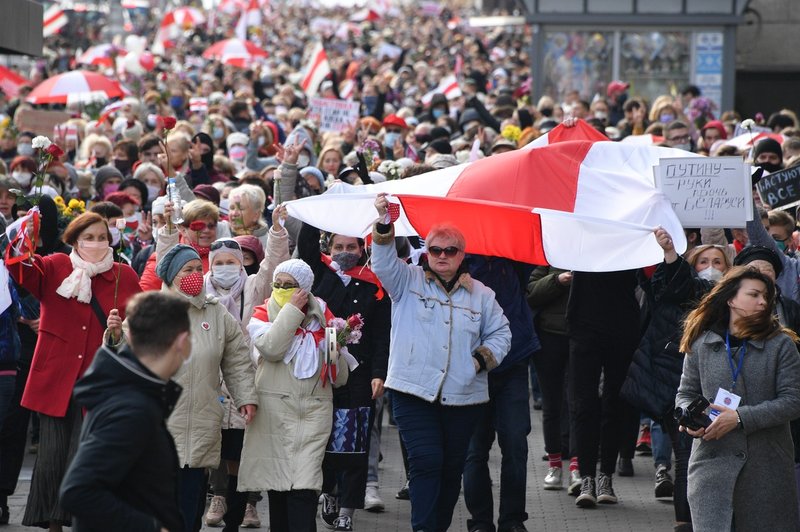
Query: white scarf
x: 79, y: 282
x: 227, y: 298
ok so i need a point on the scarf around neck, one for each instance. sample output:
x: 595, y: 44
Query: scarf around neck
x: 78, y: 284
x: 228, y: 298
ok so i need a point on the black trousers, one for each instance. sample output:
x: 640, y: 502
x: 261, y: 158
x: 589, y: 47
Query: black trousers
x: 13, y: 437
x: 293, y: 511
x: 551, y: 363
x: 598, y: 420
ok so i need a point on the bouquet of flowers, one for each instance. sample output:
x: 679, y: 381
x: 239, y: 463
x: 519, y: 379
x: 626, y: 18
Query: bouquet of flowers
x: 348, y: 331
x: 512, y: 133
x: 68, y: 211
x: 370, y: 149
x: 391, y: 169
x: 46, y: 152
x: 701, y: 111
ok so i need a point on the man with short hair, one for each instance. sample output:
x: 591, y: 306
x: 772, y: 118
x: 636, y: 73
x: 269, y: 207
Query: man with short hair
x: 676, y: 135
x: 124, y: 476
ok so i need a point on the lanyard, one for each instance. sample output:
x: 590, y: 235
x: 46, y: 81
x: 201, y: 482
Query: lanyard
x: 735, y: 371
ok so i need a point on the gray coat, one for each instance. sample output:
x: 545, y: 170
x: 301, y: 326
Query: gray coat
x: 748, y: 475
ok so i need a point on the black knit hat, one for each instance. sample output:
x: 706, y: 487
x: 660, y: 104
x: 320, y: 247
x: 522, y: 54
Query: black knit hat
x: 751, y: 253
x: 767, y: 145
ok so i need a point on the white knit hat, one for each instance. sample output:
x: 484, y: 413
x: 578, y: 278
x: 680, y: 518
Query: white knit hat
x: 299, y: 270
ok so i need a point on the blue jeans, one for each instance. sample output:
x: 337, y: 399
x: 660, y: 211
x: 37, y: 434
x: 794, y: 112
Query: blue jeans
x: 508, y: 415
x: 661, y: 444
x: 191, y: 493
x: 437, y: 438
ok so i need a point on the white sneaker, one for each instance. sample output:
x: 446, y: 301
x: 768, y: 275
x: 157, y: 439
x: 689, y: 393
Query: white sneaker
x: 216, y: 511
x: 372, y: 500
x: 553, y: 480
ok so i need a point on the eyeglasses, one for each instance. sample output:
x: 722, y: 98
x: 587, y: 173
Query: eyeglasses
x: 449, y: 251
x: 200, y: 226
x: 230, y: 244
x: 284, y: 286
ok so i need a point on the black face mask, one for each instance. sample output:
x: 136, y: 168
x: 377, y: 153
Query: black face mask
x: 123, y: 166
x: 252, y: 269
x: 770, y: 167
x: 100, y: 161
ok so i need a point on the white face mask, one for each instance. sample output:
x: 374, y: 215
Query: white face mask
x: 153, y: 192
x: 303, y: 160
x: 710, y: 274
x: 23, y: 178
x: 226, y: 275
x: 114, y: 236
x: 224, y: 204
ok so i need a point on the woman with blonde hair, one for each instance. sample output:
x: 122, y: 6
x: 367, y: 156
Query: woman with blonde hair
x: 741, y: 471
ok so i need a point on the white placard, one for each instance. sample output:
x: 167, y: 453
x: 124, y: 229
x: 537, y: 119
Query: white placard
x: 332, y: 114
x: 707, y: 191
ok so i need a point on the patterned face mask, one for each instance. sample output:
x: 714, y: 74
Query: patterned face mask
x: 192, y: 284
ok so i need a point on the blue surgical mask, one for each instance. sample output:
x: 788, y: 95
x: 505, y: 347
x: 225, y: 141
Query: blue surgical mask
x: 666, y: 119
x: 25, y: 148
x: 437, y: 112
x: 390, y: 139
x: 176, y: 102
x: 218, y: 133
x: 370, y: 102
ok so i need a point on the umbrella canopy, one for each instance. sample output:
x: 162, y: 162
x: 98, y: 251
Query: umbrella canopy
x: 75, y: 87
x: 101, y: 55
x: 234, y: 52
x: 746, y: 140
x: 10, y: 82
x: 586, y: 204
x: 184, y: 17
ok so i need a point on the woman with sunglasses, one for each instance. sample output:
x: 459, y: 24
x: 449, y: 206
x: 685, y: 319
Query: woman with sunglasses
x: 447, y: 333
x: 285, y: 444
x: 349, y: 287
x: 239, y: 293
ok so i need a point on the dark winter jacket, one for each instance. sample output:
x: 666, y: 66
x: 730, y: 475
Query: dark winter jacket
x: 124, y: 476
x: 548, y: 298
x: 508, y: 279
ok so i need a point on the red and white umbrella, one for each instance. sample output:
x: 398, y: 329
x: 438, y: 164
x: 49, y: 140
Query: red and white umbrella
x: 101, y: 55
x: 235, y: 52
x: 747, y: 140
x: 567, y: 199
x: 184, y: 17
x: 77, y: 86
x: 10, y: 82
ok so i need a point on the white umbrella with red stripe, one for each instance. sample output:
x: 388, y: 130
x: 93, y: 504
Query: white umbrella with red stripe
x: 184, y: 17
x: 77, y: 86
x: 571, y: 199
x: 235, y: 52
x: 101, y: 55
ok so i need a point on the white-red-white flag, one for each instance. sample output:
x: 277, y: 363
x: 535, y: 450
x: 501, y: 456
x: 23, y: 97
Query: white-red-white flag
x: 198, y: 105
x: 317, y: 70
x: 251, y: 16
x: 54, y: 20
x: 448, y: 86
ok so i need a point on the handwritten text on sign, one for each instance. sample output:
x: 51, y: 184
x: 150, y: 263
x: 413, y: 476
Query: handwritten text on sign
x: 780, y: 189
x: 332, y: 114
x: 707, y: 192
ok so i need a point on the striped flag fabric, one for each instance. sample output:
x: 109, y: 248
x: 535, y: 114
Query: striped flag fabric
x: 317, y: 70
x: 251, y: 16
x: 198, y: 105
x: 54, y: 19
x: 448, y: 86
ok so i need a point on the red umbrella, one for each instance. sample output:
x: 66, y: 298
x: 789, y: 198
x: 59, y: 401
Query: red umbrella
x: 234, y: 52
x: 101, y: 55
x: 10, y: 82
x: 75, y: 87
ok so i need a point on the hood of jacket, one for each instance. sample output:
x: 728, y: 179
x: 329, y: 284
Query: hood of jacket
x: 112, y: 373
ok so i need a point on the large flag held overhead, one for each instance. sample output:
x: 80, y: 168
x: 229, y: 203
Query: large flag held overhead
x: 569, y: 200
x: 10, y: 82
x: 54, y: 19
x: 317, y: 70
x: 448, y: 86
x: 251, y: 17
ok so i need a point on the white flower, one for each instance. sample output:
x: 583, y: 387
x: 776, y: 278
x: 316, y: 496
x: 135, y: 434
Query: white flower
x: 748, y: 124
x: 41, y: 142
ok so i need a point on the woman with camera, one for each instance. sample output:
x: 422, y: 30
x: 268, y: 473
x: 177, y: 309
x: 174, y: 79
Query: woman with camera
x: 741, y: 471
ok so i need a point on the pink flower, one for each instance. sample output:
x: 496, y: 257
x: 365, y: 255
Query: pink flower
x: 354, y: 337
x: 338, y: 323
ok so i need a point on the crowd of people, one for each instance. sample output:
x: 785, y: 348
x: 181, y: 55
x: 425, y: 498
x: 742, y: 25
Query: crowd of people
x: 169, y: 334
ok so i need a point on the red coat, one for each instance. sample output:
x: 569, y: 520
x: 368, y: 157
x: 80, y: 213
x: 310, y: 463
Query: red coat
x: 69, y: 331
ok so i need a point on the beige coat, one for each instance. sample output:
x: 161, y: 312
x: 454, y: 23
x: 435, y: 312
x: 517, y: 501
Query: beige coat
x: 285, y: 444
x: 217, y: 343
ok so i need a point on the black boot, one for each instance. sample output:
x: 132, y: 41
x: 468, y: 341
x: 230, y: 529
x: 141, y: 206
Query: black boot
x: 237, y: 502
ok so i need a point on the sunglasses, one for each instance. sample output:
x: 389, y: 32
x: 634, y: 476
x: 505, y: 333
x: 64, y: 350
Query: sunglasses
x: 230, y: 244
x: 449, y: 251
x: 196, y: 226
x: 283, y: 286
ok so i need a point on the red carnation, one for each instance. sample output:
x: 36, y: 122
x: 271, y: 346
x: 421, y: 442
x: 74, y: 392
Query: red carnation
x: 355, y: 321
x: 197, y: 225
x: 166, y: 122
x: 55, y: 151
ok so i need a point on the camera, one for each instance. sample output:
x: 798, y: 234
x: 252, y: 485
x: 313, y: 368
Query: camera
x: 694, y: 416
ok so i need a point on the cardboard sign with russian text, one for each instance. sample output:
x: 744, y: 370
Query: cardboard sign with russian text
x: 332, y: 114
x: 707, y: 191
x: 781, y: 189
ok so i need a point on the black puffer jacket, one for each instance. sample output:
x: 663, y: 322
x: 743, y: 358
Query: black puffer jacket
x: 655, y: 372
x: 124, y: 476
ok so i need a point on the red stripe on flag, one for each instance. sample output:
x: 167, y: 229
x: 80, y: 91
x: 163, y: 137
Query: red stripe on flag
x: 545, y: 178
x: 321, y: 56
x: 53, y: 18
x: 581, y: 131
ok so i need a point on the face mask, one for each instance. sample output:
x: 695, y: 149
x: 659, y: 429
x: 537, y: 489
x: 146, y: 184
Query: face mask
x: 684, y: 147
x: 25, y: 148
x: 437, y: 113
x: 155, y: 234
x: 770, y: 167
x: 114, y: 235
x: 303, y: 160
x: 176, y: 102
x: 710, y: 274
x: 92, y: 251
x: 123, y: 166
x: 218, y: 133
x: 100, y: 161
x: 600, y: 115
x: 153, y: 192
x: 238, y: 153
x: 110, y: 188
x: 23, y: 178
x: 390, y: 139
x: 665, y: 119
x: 282, y: 295
x: 369, y: 103
x: 224, y: 204
x: 132, y: 222
x: 191, y: 284
x: 781, y: 245
x: 261, y: 141
x: 226, y: 275
x: 252, y: 269
x: 346, y: 260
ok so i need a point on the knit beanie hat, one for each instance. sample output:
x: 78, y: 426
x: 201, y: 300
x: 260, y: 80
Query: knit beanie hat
x: 299, y: 270
x: 767, y: 145
x: 226, y: 245
x: 171, y: 264
x: 751, y: 253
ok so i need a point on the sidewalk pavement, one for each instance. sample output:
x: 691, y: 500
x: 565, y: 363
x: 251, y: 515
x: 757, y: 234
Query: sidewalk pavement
x: 637, y: 510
